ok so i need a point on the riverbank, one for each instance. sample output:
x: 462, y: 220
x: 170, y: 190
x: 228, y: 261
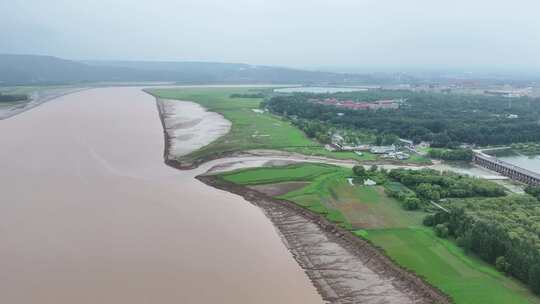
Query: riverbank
x: 36, y: 98
x: 253, y: 129
x: 343, y: 267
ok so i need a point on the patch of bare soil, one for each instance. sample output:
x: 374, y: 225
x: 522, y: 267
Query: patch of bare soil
x: 278, y: 188
x: 343, y: 267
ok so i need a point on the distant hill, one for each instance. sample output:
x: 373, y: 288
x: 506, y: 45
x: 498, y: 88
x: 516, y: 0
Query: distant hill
x: 33, y: 69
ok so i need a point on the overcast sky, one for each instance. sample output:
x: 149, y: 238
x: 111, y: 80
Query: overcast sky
x: 395, y: 33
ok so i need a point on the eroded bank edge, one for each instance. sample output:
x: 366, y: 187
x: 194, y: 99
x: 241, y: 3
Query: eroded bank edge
x: 361, y: 248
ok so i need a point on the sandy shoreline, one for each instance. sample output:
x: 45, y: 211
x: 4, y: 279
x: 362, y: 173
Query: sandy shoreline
x: 36, y: 99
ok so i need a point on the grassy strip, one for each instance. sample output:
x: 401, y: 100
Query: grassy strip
x: 296, y: 172
x: 465, y: 278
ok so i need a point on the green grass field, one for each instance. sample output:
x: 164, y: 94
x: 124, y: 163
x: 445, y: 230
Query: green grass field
x: 314, y: 197
x: 265, y: 175
x: 250, y: 130
x: 465, y: 278
x: 370, y: 207
x: 369, y: 213
x: 419, y: 159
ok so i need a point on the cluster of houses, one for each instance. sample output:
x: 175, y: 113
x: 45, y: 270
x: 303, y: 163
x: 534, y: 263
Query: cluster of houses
x: 389, y: 152
x: 390, y: 104
x: 397, y: 155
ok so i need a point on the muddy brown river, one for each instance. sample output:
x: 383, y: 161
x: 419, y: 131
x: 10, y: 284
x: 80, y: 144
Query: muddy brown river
x: 89, y: 213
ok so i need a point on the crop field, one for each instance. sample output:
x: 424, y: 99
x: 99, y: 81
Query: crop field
x: 369, y: 213
x: 250, y: 130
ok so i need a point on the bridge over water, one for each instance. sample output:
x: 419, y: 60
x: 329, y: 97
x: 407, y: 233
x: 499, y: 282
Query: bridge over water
x: 506, y: 169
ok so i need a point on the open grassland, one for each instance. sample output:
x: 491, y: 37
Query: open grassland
x: 296, y: 172
x: 361, y: 206
x: 367, y: 207
x: 418, y: 159
x: 250, y: 130
x: 369, y: 213
x: 465, y: 278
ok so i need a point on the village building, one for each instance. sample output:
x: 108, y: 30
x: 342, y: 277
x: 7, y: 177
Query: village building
x: 337, y: 139
x: 382, y: 149
x: 390, y: 104
x: 369, y: 182
x: 409, y: 144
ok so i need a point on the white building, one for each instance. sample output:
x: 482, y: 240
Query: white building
x: 382, y: 149
x: 369, y: 182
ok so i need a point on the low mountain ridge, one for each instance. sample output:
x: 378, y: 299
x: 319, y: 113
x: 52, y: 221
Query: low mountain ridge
x: 35, y: 69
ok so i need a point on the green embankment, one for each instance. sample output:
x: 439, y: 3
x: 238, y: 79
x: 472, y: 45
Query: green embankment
x: 250, y: 130
x: 465, y: 278
x: 265, y: 175
x: 369, y: 213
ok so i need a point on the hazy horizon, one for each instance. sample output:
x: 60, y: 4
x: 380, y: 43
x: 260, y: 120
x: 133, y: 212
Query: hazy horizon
x: 350, y: 34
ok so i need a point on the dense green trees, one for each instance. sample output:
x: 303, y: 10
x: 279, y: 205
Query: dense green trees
x: 411, y: 203
x: 433, y: 185
x: 386, y: 139
x: 247, y: 95
x: 533, y: 190
x: 12, y: 98
x: 359, y: 171
x: 534, y: 278
x: 502, y: 231
x: 415, y: 188
x: 451, y: 154
x: 443, y: 119
x: 313, y: 129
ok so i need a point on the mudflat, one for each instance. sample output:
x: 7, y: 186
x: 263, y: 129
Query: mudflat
x: 189, y: 126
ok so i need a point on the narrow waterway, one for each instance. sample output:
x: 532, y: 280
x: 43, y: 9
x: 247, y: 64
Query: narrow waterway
x: 89, y: 213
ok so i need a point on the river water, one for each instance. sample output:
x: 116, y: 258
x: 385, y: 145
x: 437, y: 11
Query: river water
x: 531, y: 163
x: 89, y: 213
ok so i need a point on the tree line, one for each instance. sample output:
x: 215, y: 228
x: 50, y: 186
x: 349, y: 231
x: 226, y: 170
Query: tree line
x: 502, y: 231
x: 445, y: 120
x: 430, y: 184
x: 451, y: 154
x: 416, y: 188
x: 247, y: 95
x: 12, y: 97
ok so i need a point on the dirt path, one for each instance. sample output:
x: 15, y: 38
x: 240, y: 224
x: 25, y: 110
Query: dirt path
x: 36, y: 98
